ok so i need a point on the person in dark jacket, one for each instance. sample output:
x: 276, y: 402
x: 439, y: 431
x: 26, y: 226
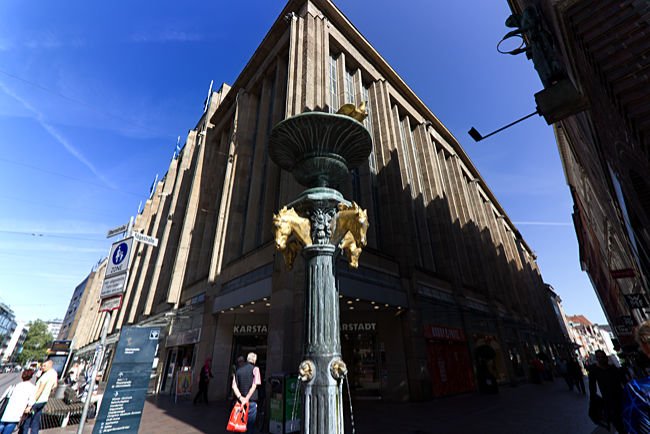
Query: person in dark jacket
x: 204, y: 379
x: 574, y: 370
x: 611, y: 381
x: 244, y: 384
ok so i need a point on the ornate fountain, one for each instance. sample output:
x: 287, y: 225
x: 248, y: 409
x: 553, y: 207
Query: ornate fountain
x: 320, y: 149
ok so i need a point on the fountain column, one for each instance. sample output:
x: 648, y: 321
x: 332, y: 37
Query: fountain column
x: 320, y: 149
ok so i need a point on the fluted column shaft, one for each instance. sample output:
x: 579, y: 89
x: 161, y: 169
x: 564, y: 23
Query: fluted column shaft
x: 323, y: 400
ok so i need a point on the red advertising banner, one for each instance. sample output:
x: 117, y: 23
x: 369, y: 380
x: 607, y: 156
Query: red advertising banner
x: 444, y: 333
x: 450, y: 368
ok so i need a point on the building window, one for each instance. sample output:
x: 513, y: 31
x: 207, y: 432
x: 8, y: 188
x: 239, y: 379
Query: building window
x: 416, y: 161
x: 409, y: 176
x: 350, y: 97
x: 334, y: 88
x: 372, y: 161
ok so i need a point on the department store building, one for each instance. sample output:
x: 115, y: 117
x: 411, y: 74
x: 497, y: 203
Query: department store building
x: 445, y: 271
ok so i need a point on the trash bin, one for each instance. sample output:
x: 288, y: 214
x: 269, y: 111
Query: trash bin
x: 284, y: 405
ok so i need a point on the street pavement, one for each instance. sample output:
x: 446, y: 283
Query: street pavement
x: 528, y: 408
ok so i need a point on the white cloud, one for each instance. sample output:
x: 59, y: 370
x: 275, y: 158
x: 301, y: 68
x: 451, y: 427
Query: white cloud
x: 38, y: 117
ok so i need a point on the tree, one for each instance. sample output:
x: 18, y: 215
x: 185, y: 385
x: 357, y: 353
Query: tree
x: 37, y: 342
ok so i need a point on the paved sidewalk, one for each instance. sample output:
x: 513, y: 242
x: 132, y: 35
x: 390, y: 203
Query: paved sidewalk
x: 529, y: 408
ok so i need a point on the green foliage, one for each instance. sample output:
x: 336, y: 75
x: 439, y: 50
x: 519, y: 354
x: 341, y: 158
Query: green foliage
x: 37, y: 342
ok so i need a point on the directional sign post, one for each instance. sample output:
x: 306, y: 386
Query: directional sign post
x: 115, y: 278
x: 117, y: 230
x: 152, y: 241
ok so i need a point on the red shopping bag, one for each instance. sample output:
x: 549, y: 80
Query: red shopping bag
x: 238, y: 418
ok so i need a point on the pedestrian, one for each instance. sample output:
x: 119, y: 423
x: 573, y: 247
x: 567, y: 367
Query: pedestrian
x: 73, y: 374
x: 204, y: 379
x: 636, y: 403
x: 576, y: 375
x: 563, y: 370
x: 44, y: 387
x: 21, y: 396
x: 611, y: 381
x: 247, y: 379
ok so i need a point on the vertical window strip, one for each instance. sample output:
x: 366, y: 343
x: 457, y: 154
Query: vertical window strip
x: 334, y: 90
x: 372, y: 160
x: 409, y: 177
x: 350, y: 96
x: 372, y: 163
x: 416, y: 163
x: 269, y: 125
x: 250, y: 176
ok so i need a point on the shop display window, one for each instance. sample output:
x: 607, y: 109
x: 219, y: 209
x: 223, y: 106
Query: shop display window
x: 360, y: 349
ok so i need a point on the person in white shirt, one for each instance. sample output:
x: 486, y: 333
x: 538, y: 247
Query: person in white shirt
x: 21, y: 396
x: 44, y: 386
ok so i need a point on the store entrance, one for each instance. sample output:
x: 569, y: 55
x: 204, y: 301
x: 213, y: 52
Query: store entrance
x: 241, y: 346
x: 179, y: 358
x: 360, y: 350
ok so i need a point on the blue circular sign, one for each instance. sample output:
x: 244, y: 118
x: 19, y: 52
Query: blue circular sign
x: 120, y: 253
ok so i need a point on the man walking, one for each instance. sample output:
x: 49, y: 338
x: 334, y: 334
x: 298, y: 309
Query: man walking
x: 610, y: 381
x: 245, y: 383
x: 44, y: 387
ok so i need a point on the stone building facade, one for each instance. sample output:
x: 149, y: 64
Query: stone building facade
x: 445, y: 271
x: 71, y: 318
x: 589, y: 338
x: 605, y: 149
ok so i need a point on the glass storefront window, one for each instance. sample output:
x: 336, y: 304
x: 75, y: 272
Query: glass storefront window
x: 360, y: 349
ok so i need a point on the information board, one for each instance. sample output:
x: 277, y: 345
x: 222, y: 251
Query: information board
x: 126, y: 390
x: 113, y: 286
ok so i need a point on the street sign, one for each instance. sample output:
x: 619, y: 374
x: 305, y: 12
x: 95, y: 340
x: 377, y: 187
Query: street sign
x: 117, y: 230
x: 111, y: 303
x: 113, y: 286
x: 636, y: 301
x: 625, y: 320
x: 126, y: 389
x: 622, y: 330
x: 621, y: 274
x: 118, y: 259
x: 145, y: 239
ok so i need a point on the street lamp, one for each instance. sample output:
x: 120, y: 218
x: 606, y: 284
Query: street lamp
x: 320, y: 149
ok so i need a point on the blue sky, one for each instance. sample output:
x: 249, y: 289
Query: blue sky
x: 93, y: 96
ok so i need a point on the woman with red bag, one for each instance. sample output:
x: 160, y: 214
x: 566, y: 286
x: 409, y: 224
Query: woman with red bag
x: 244, y: 384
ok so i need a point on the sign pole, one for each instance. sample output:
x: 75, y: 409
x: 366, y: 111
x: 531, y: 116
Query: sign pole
x: 100, y: 353
x: 100, y: 359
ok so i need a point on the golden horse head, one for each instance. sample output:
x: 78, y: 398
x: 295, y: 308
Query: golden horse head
x: 285, y: 224
x: 352, y: 219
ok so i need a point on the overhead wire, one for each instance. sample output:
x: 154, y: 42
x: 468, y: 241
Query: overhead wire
x: 51, y: 172
x: 51, y: 205
x: 38, y: 234
x: 86, y: 105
